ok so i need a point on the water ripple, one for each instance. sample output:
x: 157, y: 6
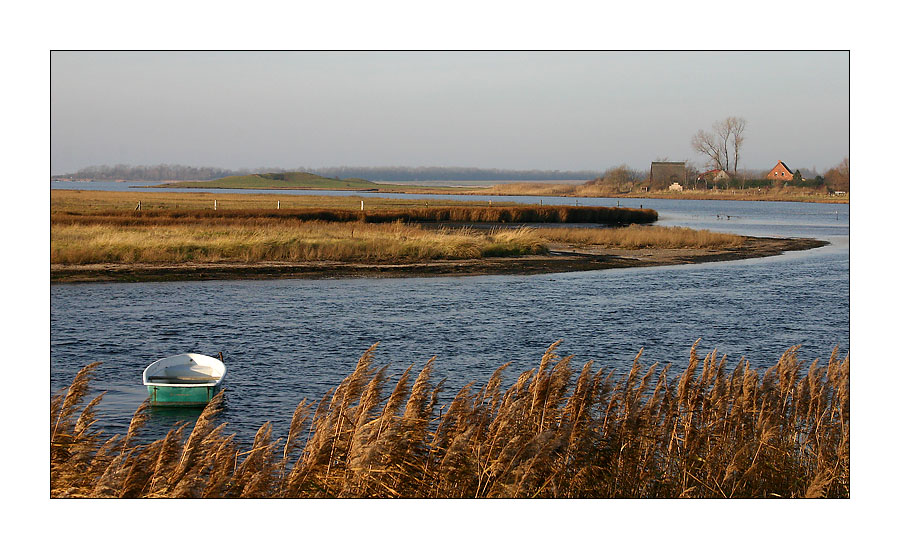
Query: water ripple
x: 285, y: 340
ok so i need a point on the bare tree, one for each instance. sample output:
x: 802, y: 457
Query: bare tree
x: 706, y: 144
x: 725, y: 141
x: 737, y: 137
x: 722, y: 130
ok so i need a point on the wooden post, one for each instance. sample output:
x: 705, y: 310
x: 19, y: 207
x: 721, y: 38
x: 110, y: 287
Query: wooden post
x: 362, y: 205
x: 279, y: 205
x: 215, y: 204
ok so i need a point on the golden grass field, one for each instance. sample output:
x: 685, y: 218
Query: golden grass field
x: 75, y: 244
x: 636, y: 237
x: 96, y: 227
x: 557, y: 431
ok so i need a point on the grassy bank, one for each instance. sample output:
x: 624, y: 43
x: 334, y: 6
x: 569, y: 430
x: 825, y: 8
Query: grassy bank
x: 210, y: 242
x: 79, y: 243
x: 558, y: 431
x: 439, y: 214
x: 640, y: 237
x: 783, y: 194
x: 304, y: 181
x: 288, y: 180
x: 336, y: 209
x: 211, y: 237
x: 92, y: 227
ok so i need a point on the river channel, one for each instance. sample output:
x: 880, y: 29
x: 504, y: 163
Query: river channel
x: 285, y: 340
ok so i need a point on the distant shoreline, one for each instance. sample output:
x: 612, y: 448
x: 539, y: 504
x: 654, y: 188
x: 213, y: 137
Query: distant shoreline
x: 494, y: 188
x: 457, y: 191
x: 560, y: 260
x: 426, y: 187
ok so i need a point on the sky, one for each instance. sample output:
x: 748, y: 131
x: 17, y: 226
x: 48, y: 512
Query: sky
x: 542, y: 110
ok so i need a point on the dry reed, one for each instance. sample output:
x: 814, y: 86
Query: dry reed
x: 438, y: 214
x: 636, y: 237
x: 288, y: 241
x: 93, y: 239
x: 706, y: 433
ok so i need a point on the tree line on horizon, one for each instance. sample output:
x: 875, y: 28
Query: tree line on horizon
x: 836, y: 177
x: 163, y: 172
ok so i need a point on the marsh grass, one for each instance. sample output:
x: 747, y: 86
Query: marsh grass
x: 556, y: 432
x: 167, y: 235
x: 438, y: 214
x: 636, y: 237
x: 172, y: 235
x: 94, y: 239
x: 97, y: 240
x: 76, y: 243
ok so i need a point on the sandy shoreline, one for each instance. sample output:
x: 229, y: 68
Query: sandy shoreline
x: 561, y: 259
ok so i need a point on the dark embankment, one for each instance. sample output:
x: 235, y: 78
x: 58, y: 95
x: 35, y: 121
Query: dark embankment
x: 476, y: 214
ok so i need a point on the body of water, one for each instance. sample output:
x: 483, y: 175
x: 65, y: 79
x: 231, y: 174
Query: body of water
x: 285, y: 340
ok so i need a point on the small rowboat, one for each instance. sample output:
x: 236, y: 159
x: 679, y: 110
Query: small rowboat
x: 188, y: 379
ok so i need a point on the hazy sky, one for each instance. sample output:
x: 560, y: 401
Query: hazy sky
x: 512, y: 110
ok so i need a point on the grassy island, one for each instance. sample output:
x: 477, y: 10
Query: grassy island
x: 100, y: 235
x: 305, y: 181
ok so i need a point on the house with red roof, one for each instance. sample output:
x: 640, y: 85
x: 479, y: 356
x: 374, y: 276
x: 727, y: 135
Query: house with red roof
x: 780, y: 172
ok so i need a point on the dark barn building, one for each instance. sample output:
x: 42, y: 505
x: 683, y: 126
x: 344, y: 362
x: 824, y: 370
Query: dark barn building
x: 663, y: 174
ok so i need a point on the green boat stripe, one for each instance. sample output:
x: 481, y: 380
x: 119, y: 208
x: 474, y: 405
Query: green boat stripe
x: 185, y: 395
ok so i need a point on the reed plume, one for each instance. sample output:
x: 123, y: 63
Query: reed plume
x: 709, y: 432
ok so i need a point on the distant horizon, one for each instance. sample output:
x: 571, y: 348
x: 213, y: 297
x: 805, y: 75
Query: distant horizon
x: 565, y: 110
x: 268, y: 169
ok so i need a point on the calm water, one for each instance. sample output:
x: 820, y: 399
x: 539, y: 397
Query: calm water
x: 286, y: 340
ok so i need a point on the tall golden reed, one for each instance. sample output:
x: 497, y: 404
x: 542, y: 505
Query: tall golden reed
x: 254, y: 240
x: 73, y: 244
x: 709, y: 432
